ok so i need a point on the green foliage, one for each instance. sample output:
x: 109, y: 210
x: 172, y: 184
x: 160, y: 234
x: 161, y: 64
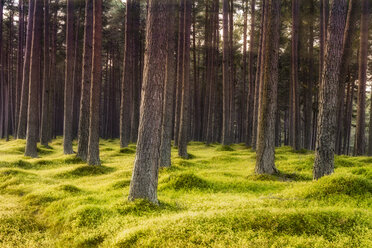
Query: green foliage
x: 213, y: 199
x: 127, y: 150
x: 225, y: 148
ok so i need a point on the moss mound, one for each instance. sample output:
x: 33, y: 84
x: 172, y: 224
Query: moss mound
x: 127, y: 150
x: 185, y: 181
x: 121, y: 184
x: 87, y: 216
x: 225, y: 148
x: 85, y: 170
x: 69, y: 188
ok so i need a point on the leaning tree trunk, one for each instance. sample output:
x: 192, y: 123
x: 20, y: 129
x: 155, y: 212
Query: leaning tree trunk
x: 83, y: 133
x: 95, y: 90
x: 185, y: 103
x: 268, y: 91
x: 69, y: 79
x: 360, y: 145
x: 170, y: 79
x: 325, y: 142
x: 145, y: 173
x: 34, y: 85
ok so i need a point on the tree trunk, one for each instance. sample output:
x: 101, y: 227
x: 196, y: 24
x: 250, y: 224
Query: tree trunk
x: 144, y: 181
x: 360, y: 145
x: 170, y: 79
x: 325, y: 142
x: 226, y: 75
x: 268, y: 90
x: 95, y: 90
x: 69, y: 78
x: 83, y: 133
x: 19, y: 63
x: 34, y: 84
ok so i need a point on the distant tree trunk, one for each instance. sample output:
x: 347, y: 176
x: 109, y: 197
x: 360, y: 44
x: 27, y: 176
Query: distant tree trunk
x: 251, y: 82
x: 2, y: 90
x: 360, y: 145
x: 95, y: 90
x: 44, y: 129
x: 22, y: 120
x: 19, y: 63
x: 34, y: 85
x: 170, y: 79
x: 295, y: 132
x: 226, y: 76
x: 69, y: 78
x: 144, y: 181
x: 185, y: 103
x: 83, y: 133
x: 177, y: 111
x: 268, y: 90
x: 325, y: 144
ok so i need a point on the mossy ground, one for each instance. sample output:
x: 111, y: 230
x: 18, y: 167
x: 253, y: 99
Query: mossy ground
x: 211, y: 200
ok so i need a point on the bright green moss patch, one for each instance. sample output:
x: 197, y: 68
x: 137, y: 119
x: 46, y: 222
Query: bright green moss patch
x: 212, y: 199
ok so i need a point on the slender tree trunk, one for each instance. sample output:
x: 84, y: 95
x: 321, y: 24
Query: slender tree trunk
x: 95, y: 90
x: 145, y: 173
x: 268, y: 90
x: 34, y: 84
x: 22, y: 124
x: 83, y: 133
x: 19, y: 63
x: 44, y: 129
x: 185, y: 103
x: 360, y: 145
x: 69, y: 79
x: 170, y: 79
x: 325, y: 144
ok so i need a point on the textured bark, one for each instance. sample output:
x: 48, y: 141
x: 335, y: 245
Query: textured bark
x: 2, y: 90
x: 360, y: 146
x: 144, y: 181
x: 83, y: 133
x: 34, y: 84
x: 95, y: 90
x: 295, y: 132
x: 268, y: 91
x: 44, y: 128
x: 69, y: 79
x: 170, y: 79
x: 22, y: 120
x: 185, y: 103
x: 326, y: 134
x: 226, y: 76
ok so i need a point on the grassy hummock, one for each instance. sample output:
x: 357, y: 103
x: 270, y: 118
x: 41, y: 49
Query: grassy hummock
x: 212, y: 199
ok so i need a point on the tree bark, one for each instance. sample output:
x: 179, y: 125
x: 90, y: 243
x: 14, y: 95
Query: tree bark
x: 325, y: 142
x: 34, y: 84
x: 145, y: 173
x: 360, y: 146
x: 268, y: 90
x: 83, y: 133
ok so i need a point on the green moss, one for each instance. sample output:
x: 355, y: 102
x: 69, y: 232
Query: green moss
x: 85, y: 170
x: 127, y: 150
x: 185, y: 181
x: 225, y: 148
x: 87, y: 216
x: 121, y: 184
x: 69, y: 188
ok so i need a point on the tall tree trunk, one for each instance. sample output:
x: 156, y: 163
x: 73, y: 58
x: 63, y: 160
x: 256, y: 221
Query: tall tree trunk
x: 295, y: 132
x: 19, y: 63
x: 83, y: 133
x: 185, y: 103
x: 144, y: 181
x: 95, y: 90
x: 360, y: 145
x: 22, y: 120
x: 44, y: 129
x: 170, y: 79
x: 34, y: 84
x: 325, y: 142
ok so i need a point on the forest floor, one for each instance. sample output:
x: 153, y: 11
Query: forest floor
x: 211, y: 200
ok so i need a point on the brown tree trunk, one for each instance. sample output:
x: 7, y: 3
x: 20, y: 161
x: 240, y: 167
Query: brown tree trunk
x: 144, y: 181
x: 95, y: 90
x: 19, y: 63
x: 44, y: 128
x: 170, y: 79
x: 34, y: 84
x: 360, y: 146
x: 185, y: 103
x: 69, y: 79
x: 268, y: 90
x: 83, y: 133
x: 226, y: 76
x: 325, y: 142
x: 22, y: 120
